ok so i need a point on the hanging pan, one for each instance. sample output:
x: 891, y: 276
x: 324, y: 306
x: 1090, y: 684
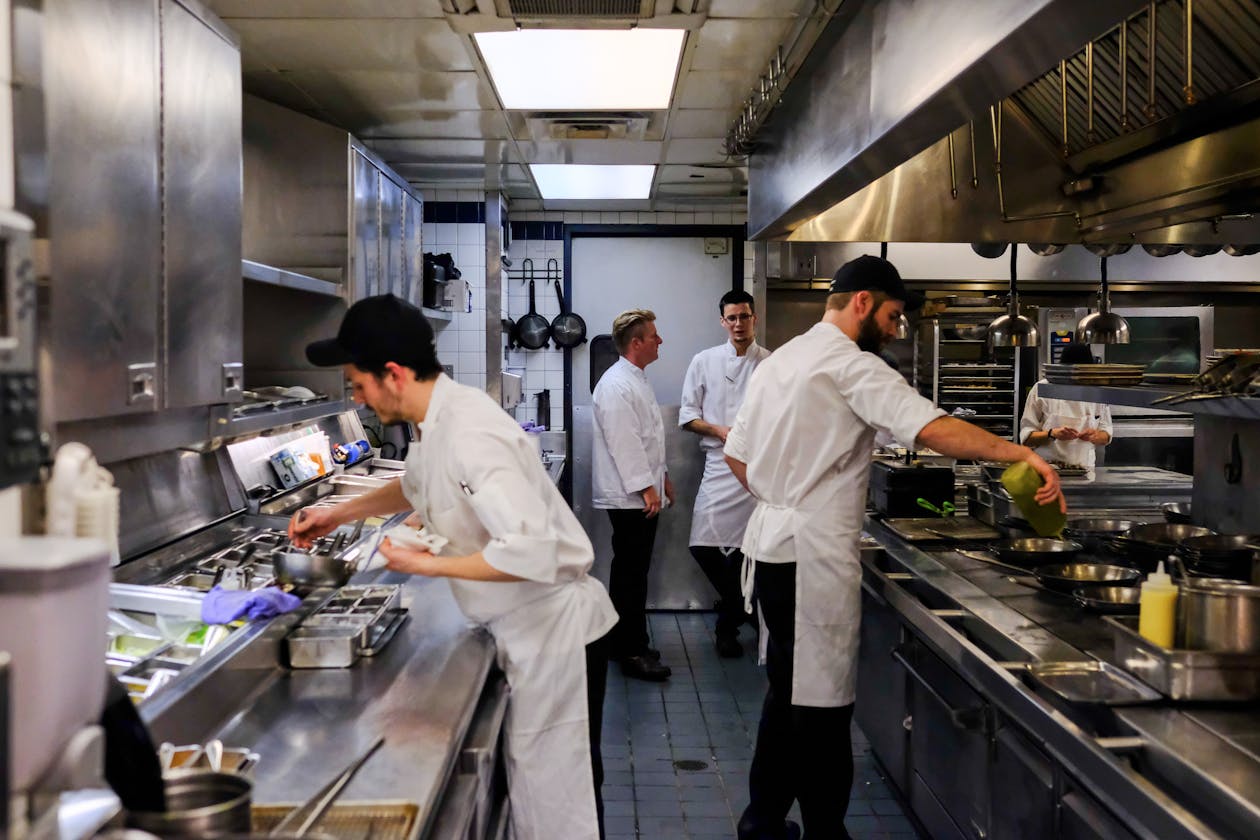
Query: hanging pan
x: 567, y: 329
x: 532, y: 330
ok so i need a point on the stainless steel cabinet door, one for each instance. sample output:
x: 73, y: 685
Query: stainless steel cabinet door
x: 881, y: 697
x: 201, y: 183
x: 1022, y: 794
x: 391, y: 279
x: 366, y: 255
x: 101, y: 89
x: 413, y: 250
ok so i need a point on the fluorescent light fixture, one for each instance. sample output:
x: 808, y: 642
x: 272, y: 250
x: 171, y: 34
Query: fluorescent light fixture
x: 584, y: 180
x: 583, y: 69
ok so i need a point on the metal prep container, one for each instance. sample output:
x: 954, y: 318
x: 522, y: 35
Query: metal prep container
x: 1219, y: 615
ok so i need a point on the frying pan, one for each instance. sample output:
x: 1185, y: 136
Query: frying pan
x: 532, y: 330
x: 1027, y: 552
x: 1116, y: 600
x: 567, y: 329
x: 1065, y: 578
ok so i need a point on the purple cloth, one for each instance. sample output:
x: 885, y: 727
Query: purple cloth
x: 223, y: 605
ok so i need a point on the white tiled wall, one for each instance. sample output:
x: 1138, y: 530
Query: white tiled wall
x: 462, y: 341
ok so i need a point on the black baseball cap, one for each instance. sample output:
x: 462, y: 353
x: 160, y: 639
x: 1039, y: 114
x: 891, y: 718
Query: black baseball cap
x: 377, y: 330
x: 872, y: 274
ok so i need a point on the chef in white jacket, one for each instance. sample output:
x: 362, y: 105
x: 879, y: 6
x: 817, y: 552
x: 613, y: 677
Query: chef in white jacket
x: 517, y: 561
x: 1066, y: 430
x: 713, y: 391
x: 802, y: 445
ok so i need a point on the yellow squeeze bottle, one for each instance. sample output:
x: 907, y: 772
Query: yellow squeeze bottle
x: 1157, y: 615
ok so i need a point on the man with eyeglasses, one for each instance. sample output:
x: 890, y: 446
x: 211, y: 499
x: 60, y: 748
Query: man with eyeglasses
x: 713, y: 391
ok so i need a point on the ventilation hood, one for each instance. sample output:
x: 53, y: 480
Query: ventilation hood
x: 973, y: 123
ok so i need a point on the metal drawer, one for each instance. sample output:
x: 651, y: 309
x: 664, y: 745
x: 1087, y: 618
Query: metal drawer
x: 455, y: 815
x: 478, y: 758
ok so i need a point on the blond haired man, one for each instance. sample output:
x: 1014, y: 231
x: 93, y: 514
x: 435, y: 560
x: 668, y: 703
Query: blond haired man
x: 631, y: 482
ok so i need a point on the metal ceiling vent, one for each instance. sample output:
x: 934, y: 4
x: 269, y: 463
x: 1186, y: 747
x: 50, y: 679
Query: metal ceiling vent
x: 605, y: 9
x: 613, y: 125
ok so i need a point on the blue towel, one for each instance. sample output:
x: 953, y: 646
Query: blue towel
x: 223, y: 605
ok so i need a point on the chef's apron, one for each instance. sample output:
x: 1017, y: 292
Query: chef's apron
x: 824, y: 535
x: 540, y: 632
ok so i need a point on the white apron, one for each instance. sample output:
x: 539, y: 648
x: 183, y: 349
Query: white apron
x: 540, y: 632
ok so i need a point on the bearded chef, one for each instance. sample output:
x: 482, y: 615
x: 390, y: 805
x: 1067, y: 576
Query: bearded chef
x: 802, y: 446
x: 517, y: 561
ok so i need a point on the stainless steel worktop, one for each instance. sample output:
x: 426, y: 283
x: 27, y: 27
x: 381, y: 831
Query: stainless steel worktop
x: 420, y: 693
x: 1164, y: 770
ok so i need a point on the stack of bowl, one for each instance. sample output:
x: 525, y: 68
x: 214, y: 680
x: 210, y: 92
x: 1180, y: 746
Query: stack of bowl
x: 1145, y: 546
x: 1219, y: 556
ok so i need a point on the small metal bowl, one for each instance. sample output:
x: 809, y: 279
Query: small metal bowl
x: 1176, y: 512
x: 1113, y: 600
x: 299, y: 569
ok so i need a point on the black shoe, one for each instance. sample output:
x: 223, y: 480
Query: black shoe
x: 652, y: 653
x: 791, y: 831
x: 645, y: 668
x: 728, y: 646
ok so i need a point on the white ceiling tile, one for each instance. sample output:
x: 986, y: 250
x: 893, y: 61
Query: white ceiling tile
x: 734, y: 44
x: 326, y: 8
x: 716, y: 88
x: 443, y: 125
x: 396, y: 45
x: 758, y: 8
x: 387, y: 94
x: 695, y: 151
x: 700, y: 122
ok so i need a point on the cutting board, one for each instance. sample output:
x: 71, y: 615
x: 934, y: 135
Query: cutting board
x: 942, y: 529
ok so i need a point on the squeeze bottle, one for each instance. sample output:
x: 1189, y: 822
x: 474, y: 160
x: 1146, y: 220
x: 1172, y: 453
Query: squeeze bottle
x: 1157, y: 610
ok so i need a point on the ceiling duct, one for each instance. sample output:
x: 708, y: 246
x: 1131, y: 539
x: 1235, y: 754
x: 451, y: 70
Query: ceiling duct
x: 600, y: 9
x: 600, y: 126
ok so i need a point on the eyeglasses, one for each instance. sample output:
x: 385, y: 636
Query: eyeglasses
x: 738, y: 319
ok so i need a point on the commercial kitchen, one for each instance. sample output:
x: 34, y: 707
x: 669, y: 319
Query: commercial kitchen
x: 195, y: 190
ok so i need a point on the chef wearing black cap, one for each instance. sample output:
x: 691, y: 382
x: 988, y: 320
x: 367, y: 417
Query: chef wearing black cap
x: 802, y: 445
x: 517, y: 561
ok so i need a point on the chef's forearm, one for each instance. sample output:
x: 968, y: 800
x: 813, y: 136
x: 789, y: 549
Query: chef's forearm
x: 702, y: 428
x: 471, y: 567
x: 740, y: 471
x: 1036, y: 440
x: 383, y: 501
x: 959, y: 439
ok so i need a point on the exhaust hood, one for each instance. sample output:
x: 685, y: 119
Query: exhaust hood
x: 1093, y: 146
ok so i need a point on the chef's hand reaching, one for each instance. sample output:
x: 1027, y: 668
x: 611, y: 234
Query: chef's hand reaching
x: 1098, y: 437
x: 1050, y: 490
x: 410, y: 561
x: 669, y: 491
x: 1064, y: 433
x: 309, y: 524
x: 651, y: 502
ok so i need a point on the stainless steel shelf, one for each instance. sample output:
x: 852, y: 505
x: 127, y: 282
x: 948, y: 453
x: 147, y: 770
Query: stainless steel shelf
x: 260, y: 273
x: 223, y: 424
x: 437, y: 314
x: 1245, y: 408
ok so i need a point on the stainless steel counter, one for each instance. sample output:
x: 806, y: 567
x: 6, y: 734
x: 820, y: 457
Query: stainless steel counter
x: 1161, y: 770
x: 420, y: 693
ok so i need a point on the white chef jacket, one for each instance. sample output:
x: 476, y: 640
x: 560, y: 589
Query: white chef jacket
x: 1041, y: 414
x: 713, y: 391
x: 806, y: 432
x: 513, y: 514
x: 629, y: 445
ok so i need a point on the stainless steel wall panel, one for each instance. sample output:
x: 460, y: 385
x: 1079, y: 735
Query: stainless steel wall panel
x: 365, y: 221
x: 391, y: 221
x: 1219, y: 503
x: 101, y: 81
x: 413, y: 249
x: 201, y: 181
x: 296, y: 184
x: 166, y: 495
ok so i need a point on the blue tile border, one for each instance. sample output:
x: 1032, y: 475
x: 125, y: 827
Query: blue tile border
x: 455, y: 212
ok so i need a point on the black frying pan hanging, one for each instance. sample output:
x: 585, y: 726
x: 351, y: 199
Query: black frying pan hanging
x: 567, y: 329
x: 532, y: 330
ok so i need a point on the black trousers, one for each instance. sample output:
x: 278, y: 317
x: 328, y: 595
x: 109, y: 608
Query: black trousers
x: 632, y: 539
x: 723, y: 571
x: 596, y: 683
x: 803, y: 752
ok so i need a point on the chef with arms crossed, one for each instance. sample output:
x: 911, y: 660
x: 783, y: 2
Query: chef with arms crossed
x: 517, y: 561
x: 802, y: 445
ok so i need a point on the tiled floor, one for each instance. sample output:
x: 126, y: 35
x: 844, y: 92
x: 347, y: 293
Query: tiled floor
x: 676, y: 754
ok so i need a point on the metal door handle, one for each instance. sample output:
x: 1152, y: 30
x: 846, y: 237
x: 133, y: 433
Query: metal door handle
x: 870, y: 590
x: 971, y: 718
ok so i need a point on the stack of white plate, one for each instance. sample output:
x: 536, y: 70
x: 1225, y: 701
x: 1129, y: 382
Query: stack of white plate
x: 1095, y: 374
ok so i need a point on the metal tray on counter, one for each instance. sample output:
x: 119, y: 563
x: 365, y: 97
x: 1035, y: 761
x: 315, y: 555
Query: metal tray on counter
x: 1185, y: 674
x: 357, y: 621
x: 1093, y: 682
x: 938, y: 528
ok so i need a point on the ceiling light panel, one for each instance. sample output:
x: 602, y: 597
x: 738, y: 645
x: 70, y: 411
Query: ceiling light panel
x: 583, y: 69
x: 577, y: 181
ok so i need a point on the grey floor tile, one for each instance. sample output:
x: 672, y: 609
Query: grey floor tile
x: 709, y: 808
x: 711, y: 827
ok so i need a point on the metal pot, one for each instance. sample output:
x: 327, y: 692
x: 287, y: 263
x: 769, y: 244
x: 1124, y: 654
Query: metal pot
x: 1100, y: 250
x: 1201, y: 250
x: 301, y: 569
x: 1242, y: 250
x: 1029, y: 552
x: 1162, y: 249
x: 199, y: 804
x: 1222, y: 616
x: 989, y: 250
x: 1042, y: 249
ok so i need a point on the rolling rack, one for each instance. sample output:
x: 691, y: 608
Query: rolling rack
x: 955, y: 368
